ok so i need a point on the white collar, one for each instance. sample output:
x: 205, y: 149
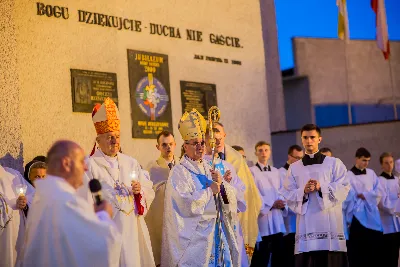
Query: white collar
x: 312, y: 155
x: 262, y: 165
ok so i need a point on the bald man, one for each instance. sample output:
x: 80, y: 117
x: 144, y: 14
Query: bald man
x: 64, y: 229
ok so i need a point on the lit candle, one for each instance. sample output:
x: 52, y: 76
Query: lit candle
x: 20, y: 189
x: 134, y: 176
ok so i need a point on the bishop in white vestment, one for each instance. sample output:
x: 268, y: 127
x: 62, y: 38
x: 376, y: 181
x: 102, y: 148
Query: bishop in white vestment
x: 192, y: 236
x: 63, y: 230
x: 12, y: 219
x: 125, y: 186
x: 315, y: 188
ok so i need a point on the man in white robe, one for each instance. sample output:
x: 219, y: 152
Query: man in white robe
x: 190, y: 232
x: 365, y: 231
x: 315, y: 188
x: 295, y: 153
x: 237, y: 203
x: 390, y: 222
x: 248, y: 219
x: 13, y: 211
x: 159, y: 172
x: 125, y: 185
x: 270, y: 220
x: 63, y: 229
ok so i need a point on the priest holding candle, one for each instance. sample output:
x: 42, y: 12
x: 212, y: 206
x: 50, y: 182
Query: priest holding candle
x: 124, y: 184
x: 15, y: 197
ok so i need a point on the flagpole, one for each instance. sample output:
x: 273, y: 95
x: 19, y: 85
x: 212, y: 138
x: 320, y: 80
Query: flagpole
x: 349, y: 113
x: 393, y: 89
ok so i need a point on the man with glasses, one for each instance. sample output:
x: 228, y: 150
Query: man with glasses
x: 190, y: 233
x: 295, y: 153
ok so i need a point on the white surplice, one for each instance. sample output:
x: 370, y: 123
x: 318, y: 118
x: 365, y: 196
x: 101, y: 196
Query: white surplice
x: 136, y: 245
x: 388, y: 203
x: 270, y: 221
x: 236, y: 206
x: 290, y: 218
x: 12, y: 219
x: 319, y: 220
x: 159, y: 170
x: 63, y: 230
x: 190, y: 219
x: 366, y: 211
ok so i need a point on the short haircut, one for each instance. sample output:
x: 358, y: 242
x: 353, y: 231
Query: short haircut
x: 310, y: 127
x: 294, y: 147
x: 165, y: 134
x: 238, y: 148
x: 40, y: 158
x: 362, y: 152
x: 261, y: 143
x: 325, y: 149
x: 385, y: 155
x: 38, y: 165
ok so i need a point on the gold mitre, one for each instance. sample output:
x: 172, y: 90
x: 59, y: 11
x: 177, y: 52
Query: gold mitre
x: 106, y: 117
x: 192, y: 125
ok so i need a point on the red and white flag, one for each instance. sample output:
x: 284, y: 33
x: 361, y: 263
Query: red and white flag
x: 382, y: 37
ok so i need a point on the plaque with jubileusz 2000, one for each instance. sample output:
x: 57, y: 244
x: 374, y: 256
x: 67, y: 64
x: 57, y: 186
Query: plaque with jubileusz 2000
x: 150, y: 94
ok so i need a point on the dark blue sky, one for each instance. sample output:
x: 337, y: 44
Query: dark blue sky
x: 318, y: 18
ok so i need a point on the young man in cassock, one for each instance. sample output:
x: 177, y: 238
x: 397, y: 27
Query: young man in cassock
x: 248, y: 219
x: 235, y: 193
x: 13, y: 211
x: 390, y: 222
x: 315, y: 188
x: 63, y: 229
x: 295, y: 153
x: 270, y: 221
x: 365, y: 231
x: 159, y: 172
x: 191, y: 233
x: 125, y: 185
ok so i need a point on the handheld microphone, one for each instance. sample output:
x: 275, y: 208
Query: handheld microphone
x: 95, y: 189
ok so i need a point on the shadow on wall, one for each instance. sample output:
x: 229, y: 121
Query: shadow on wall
x: 15, y: 163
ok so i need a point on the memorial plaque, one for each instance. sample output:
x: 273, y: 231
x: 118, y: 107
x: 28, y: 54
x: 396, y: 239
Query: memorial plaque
x: 91, y: 87
x: 200, y: 96
x: 150, y: 93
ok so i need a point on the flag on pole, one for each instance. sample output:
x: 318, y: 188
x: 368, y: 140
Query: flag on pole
x: 343, y: 22
x: 382, y: 37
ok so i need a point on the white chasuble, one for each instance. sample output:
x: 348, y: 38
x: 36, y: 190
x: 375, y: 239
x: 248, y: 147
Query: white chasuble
x: 12, y: 220
x: 319, y: 220
x: 63, y: 230
x: 129, y: 210
x: 235, y: 191
x: 190, y: 220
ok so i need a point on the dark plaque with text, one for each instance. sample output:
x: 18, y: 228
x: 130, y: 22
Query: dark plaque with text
x: 150, y: 94
x: 200, y: 96
x: 91, y: 87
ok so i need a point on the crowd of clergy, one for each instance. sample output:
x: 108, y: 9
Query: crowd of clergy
x: 209, y: 206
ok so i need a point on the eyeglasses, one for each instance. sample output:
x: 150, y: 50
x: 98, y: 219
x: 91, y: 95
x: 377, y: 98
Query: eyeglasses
x: 196, y: 144
x: 298, y: 158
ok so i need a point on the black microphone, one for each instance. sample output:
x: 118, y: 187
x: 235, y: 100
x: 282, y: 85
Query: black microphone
x: 95, y: 188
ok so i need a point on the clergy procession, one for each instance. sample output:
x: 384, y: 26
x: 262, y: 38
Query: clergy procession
x: 208, y: 206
